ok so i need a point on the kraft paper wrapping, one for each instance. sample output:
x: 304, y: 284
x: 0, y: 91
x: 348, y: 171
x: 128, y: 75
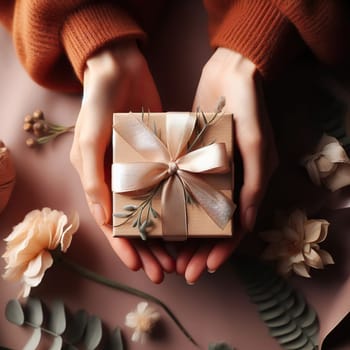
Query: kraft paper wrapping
x: 199, y: 224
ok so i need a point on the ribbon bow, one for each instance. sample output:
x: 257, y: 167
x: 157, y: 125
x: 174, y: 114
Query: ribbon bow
x: 176, y: 168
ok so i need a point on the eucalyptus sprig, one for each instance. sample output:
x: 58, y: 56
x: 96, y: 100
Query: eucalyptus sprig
x: 142, y: 213
x: 206, y: 122
x: 95, y: 277
x: 79, y: 331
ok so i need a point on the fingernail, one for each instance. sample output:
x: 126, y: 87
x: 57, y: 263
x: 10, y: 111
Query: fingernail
x: 211, y: 271
x: 190, y: 283
x: 250, y: 217
x: 98, y: 213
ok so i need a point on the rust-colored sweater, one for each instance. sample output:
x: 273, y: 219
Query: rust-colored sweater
x: 54, y: 39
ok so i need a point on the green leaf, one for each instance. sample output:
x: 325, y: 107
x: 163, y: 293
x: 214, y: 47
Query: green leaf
x: 130, y: 207
x: 34, y: 312
x: 154, y: 213
x: 34, y: 340
x: 14, y: 312
x: 220, y: 346
x: 122, y: 215
x: 291, y: 321
x: 57, y: 321
x: 93, y: 334
x: 56, y: 343
x: 115, y: 341
x: 76, y: 328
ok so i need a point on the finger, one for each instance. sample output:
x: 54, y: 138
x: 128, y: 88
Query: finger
x: 252, y: 148
x: 185, y: 256
x: 123, y: 248
x: 220, y: 253
x: 93, y: 139
x: 150, y: 263
x: 165, y: 260
x: 197, y: 264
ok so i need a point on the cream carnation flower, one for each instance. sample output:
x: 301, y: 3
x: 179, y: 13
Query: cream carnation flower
x: 329, y: 165
x: 27, y: 255
x: 295, y: 246
x: 142, y: 321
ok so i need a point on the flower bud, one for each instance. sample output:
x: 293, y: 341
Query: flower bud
x: 27, y: 126
x: 28, y: 118
x: 30, y: 142
x: 38, y: 115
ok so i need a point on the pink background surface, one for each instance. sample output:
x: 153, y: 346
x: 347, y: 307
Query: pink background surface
x: 216, y: 308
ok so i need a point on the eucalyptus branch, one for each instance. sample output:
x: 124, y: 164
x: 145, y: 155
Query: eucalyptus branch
x: 93, y: 276
x: 131, y: 211
x: 207, y: 123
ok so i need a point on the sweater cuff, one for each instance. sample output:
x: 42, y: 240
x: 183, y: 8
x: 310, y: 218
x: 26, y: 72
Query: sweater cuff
x: 92, y: 27
x: 260, y: 32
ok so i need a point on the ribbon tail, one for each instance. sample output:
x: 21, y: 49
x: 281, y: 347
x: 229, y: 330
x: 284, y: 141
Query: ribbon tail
x: 174, y: 213
x: 218, y: 207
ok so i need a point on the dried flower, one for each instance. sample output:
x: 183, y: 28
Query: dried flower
x: 329, y: 165
x: 142, y: 321
x: 295, y: 245
x: 7, y: 175
x: 42, y: 130
x: 27, y: 255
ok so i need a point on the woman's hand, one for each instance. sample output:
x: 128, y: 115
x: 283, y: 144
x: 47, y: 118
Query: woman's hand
x: 115, y: 80
x: 229, y: 74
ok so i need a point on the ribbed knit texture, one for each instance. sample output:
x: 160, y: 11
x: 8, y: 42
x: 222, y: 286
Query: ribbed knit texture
x: 85, y: 30
x: 324, y: 26
x: 259, y: 31
x: 273, y: 33
x: 54, y: 39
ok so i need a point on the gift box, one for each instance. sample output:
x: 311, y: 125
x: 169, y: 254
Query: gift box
x: 172, y: 175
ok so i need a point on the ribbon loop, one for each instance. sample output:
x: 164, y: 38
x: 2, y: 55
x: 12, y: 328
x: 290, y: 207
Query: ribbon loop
x: 176, y: 169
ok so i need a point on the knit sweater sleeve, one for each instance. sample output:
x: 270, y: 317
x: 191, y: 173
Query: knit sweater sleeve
x: 54, y: 39
x: 273, y: 33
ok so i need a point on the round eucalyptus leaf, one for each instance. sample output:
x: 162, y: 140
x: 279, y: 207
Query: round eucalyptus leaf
x: 57, y: 320
x: 292, y: 322
x: 280, y: 321
x: 76, y: 326
x: 266, y: 305
x: 308, y: 318
x: 299, y: 307
x: 291, y: 336
x: 285, y: 329
x: 93, y: 333
x: 14, y: 312
x: 263, y: 296
x: 272, y: 313
x: 56, y: 343
x: 34, y: 312
x: 34, y: 340
x: 301, y: 343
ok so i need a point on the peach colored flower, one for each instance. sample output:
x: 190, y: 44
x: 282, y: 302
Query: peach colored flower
x: 295, y: 246
x: 329, y: 165
x: 142, y: 321
x: 27, y: 252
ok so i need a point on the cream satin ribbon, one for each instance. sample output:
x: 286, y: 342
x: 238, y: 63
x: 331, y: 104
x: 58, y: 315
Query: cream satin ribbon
x: 176, y: 168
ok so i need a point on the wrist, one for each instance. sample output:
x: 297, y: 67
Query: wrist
x: 121, y: 58
x: 234, y: 62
